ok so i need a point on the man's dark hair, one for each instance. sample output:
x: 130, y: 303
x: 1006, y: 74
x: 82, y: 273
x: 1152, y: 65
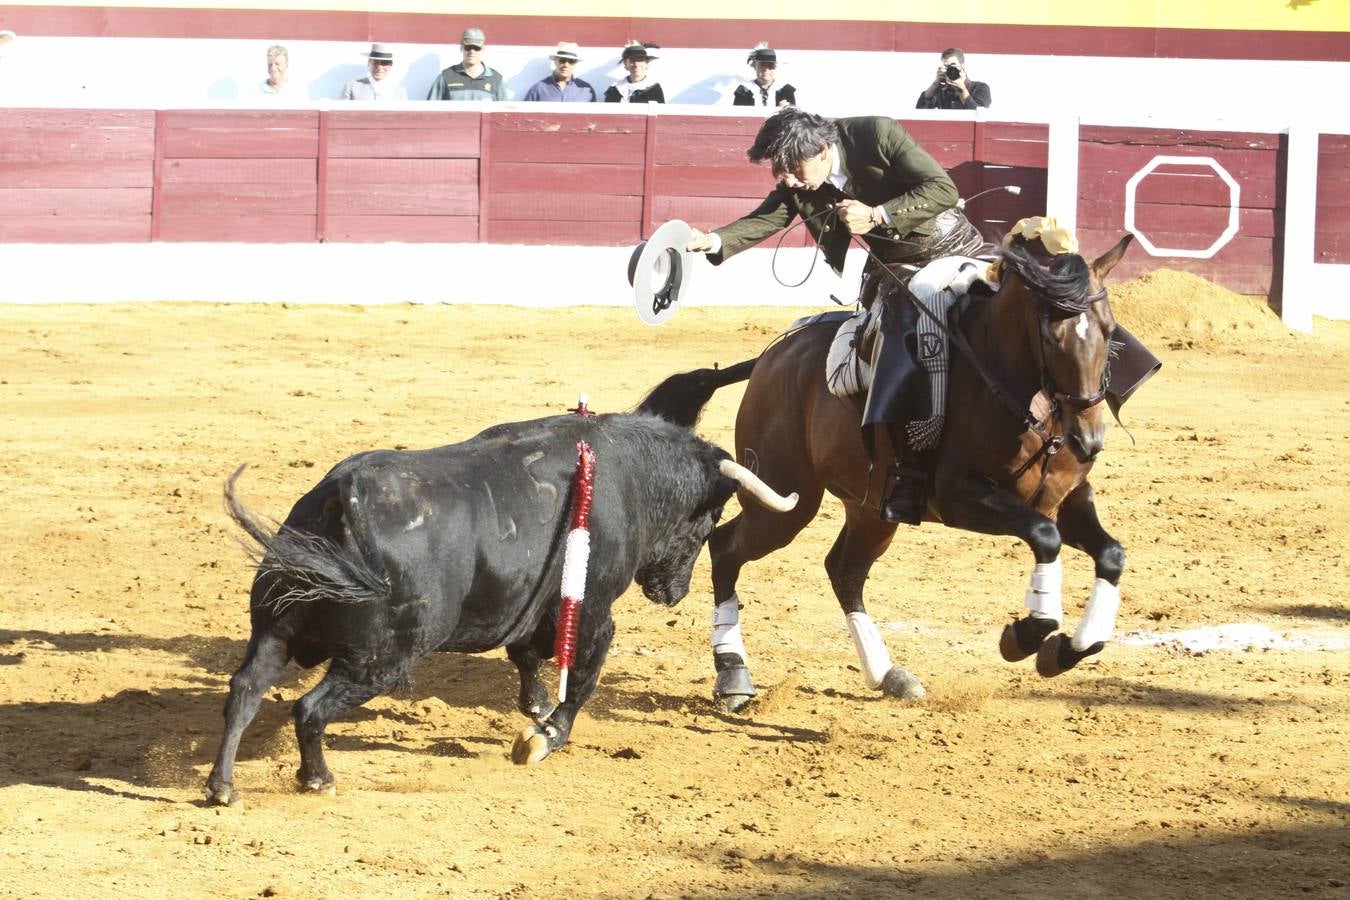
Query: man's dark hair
x: 790, y: 136
x: 957, y: 52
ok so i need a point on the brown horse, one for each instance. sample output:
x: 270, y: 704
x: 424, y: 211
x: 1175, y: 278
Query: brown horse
x: 1041, y: 347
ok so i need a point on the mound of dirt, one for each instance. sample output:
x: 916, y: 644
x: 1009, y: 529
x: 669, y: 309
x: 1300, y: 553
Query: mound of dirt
x: 1170, y: 306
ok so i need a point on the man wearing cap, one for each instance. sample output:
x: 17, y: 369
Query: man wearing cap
x: 470, y: 78
x: 563, y: 86
x: 761, y: 91
x: 863, y: 176
x: 377, y: 85
x: 637, y: 87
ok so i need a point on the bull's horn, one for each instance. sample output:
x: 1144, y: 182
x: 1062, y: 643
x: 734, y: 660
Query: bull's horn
x: 756, y: 488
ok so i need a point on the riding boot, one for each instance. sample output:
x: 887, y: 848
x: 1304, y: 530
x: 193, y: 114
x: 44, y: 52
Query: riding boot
x: 907, y: 499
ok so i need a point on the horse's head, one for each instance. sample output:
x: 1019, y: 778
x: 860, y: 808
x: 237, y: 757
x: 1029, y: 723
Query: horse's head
x: 1068, y: 325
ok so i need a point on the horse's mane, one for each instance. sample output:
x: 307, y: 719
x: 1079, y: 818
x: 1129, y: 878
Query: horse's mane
x: 1066, y: 285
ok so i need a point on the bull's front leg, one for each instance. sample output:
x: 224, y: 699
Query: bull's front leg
x: 969, y: 501
x: 595, y: 632
x: 1080, y: 528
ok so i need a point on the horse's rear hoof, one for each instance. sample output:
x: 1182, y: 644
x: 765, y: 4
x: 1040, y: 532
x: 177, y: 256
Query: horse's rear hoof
x: 903, y: 685
x: 531, y: 746
x: 1057, y: 655
x: 1024, y: 637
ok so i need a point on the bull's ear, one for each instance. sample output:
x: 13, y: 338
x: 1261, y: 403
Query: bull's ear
x: 1102, y: 265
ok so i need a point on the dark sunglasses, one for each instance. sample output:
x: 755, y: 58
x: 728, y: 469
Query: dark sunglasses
x: 383, y: 62
x: 471, y: 47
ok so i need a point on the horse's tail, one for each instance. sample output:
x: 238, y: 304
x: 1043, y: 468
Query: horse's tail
x: 681, y: 397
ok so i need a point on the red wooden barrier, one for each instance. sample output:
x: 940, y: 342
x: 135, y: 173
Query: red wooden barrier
x: 1332, y: 241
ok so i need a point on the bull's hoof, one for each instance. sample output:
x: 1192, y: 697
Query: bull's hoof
x: 733, y: 690
x: 903, y: 685
x: 325, y: 786
x: 1024, y: 637
x: 223, y: 795
x: 531, y: 746
x: 1057, y: 656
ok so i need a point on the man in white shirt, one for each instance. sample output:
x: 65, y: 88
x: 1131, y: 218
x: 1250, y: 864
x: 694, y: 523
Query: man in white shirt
x: 377, y: 85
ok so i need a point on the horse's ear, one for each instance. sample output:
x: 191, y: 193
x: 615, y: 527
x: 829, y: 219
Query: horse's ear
x: 1103, y: 264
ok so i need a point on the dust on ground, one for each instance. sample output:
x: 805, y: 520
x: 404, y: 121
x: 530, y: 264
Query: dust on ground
x: 1152, y: 770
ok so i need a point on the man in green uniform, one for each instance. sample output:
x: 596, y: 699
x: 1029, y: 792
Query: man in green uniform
x: 862, y: 176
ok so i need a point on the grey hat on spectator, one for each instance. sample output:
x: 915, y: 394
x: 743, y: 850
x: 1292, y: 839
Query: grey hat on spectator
x: 382, y: 52
x: 566, y: 50
x: 762, y: 53
x: 473, y: 36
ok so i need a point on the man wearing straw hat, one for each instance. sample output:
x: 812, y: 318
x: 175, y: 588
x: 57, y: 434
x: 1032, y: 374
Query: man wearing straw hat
x: 377, y: 85
x: 470, y: 78
x: 563, y: 86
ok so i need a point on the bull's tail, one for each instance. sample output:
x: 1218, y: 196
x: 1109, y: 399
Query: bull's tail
x: 301, y: 566
x: 681, y: 397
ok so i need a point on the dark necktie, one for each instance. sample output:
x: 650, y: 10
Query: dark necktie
x: 764, y: 95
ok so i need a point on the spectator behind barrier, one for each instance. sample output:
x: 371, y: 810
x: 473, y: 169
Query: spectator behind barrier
x: 637, y: 87
x: 761, y: 91
x: 277, y: 84
x: 563, y: 85
x: 953, y: 88
x: 470, y: 78
x: 377, y: 85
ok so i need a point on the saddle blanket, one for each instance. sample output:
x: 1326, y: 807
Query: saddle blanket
x: 943, y: 286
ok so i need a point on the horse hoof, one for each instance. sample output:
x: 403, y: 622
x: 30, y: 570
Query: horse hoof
x: 531, y: 746
x: 734, y: 703
x: 900, y: 683
x: 1057, y: 656
x: 1024, y: 637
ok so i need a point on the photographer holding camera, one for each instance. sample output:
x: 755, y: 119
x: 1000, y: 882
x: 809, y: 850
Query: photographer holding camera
x: 952, y: 88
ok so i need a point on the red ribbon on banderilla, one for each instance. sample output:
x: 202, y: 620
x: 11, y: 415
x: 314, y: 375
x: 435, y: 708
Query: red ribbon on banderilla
x: 575, y: 558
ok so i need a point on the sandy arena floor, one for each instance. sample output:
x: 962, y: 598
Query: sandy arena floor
x: 1158, y: 770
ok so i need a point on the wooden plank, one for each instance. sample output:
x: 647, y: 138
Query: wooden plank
x: 238, y: 199
x: 1130, y: 159
x: 76, y: 202
x: 406, y: 229
x: 81, y: 144
x: 18, y: 119
x: 751, y: 183
x: 1016, y: 153
x: 16, y: 229
x: 519, y: 178
x: 578, y: 209
x: 404, y: 171
x: 522, y: 123
x: 241, y: 119
x: 565, y: 148
x: 241, y: 143
x: 1255, y: 193
x: 676, y: 128
x: 402, y: 200
x: 65, y: 173
x: 928, y: 131
x: 704, y: 150
x: 1210, y: 220
x: 1176, y: 140
x: 255, y: 229
x: 1331, y: 192
x: 405, y: 120
x: 403, y: 143
x: 239, y: 171
x: 1332, y: 247
x: 535, y: 231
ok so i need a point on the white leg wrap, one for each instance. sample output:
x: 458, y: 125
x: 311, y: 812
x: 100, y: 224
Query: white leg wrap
x: 1044, y: 591
x: 726, y: 631
x: 872, y: 653
x: 1099, y: 620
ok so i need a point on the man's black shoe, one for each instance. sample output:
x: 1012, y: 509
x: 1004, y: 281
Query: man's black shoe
x: 906, y: 503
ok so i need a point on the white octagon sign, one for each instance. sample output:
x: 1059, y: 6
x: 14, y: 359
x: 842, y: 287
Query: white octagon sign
x: 1234, y: 193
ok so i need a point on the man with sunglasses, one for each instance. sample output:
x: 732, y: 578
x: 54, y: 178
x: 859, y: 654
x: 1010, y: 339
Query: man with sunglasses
x: 761, y: 92
x: 470, y: 78
x: 863, y: 176
x: 563, y: 86
x: 377, y: 85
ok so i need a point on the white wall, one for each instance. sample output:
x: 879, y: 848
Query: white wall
x: 150, y: 72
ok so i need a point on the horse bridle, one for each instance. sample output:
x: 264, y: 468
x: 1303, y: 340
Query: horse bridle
x: 1078, y: 402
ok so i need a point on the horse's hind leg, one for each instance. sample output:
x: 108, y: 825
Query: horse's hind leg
x: 1080, y: 528
x: 861, y: 542
x: 754, y: 533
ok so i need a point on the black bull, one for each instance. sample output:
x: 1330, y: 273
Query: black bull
x: 460, y: 548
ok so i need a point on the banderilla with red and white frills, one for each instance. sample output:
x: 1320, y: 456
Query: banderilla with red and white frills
x: 575, y: 558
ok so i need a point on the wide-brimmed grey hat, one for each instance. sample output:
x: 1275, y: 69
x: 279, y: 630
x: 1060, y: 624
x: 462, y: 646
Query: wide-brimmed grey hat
x: 660, y: 271
x: 382, y: 52
x: 473, y: 36
x: 566, y: 50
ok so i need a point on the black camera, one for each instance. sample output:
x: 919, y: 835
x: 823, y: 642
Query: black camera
x: 953, y: 72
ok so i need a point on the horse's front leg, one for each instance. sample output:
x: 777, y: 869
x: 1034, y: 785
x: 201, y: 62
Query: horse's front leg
x: 1080, y: 528
x: 969, y: 501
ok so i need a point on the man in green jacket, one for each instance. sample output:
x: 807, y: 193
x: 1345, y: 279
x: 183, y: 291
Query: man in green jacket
x: 863, y: 176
